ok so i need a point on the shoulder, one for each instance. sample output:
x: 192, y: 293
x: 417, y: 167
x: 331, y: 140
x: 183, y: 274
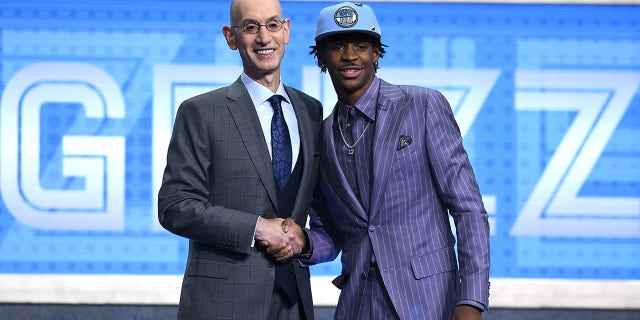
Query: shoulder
x: 417, y: 93
x: 311, y: 104
x: 207, y: 97
x: 307, y: 99
x: 201, y: 107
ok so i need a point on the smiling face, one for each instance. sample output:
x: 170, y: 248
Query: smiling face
x: 262, y: 52
x: 350, y: 60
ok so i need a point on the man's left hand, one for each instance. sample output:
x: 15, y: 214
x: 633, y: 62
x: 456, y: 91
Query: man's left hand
x: 466, y: 312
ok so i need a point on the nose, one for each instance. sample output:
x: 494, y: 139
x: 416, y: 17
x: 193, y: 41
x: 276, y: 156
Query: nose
x: 350, y: 53
x: 264, y: 35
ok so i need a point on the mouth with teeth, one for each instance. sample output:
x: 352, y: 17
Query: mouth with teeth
x: 350, y: 71
x: 265, y: 52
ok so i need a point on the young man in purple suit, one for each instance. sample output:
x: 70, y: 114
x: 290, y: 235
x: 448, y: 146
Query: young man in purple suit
x: 393, y: 168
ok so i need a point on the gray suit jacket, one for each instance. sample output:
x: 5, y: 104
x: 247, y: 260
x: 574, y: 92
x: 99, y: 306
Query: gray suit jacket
x: 421, y: 174
x: 217, y: 181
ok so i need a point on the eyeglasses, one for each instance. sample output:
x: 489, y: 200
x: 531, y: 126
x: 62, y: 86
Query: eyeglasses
x: 254, y: 27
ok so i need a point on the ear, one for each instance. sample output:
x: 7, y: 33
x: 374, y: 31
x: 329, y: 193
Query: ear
x: 376, y: 54
x: 286, y: 27
x: 320, y: 57
x: 229, y: 34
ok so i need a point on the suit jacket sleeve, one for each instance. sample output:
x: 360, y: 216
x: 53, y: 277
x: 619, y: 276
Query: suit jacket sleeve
x: 183, y: 206
x: 458, y: 189
x: 323, y: 238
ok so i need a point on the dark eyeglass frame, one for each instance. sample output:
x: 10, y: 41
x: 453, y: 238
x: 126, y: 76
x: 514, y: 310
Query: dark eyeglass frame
x: 274, y: 25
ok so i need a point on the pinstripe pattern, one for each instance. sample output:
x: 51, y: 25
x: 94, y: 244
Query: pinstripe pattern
x: 218, y: 180
x: 414, y: 188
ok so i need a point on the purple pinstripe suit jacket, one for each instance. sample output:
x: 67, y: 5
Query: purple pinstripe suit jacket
x: 415, y: 187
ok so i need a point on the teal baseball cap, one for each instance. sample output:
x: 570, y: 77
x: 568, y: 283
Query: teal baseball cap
x: 347, y: 17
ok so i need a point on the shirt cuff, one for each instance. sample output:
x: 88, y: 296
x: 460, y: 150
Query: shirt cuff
x: 472, y: 303
x: 307, y: 254
x: 253, y: 239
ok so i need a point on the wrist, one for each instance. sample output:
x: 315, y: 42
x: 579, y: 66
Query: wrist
x: 306, y: 246
x: 259, y: 228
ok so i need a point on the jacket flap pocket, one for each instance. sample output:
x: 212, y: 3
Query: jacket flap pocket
x: 209, y: 268
x: 432, y: 263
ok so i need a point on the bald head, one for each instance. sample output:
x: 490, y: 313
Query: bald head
x: 238, y: 7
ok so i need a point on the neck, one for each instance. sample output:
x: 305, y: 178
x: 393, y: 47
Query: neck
x: 350, y: 97
x: 270, y: 81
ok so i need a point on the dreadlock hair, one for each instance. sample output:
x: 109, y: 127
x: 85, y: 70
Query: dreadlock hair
x: 322, y: 43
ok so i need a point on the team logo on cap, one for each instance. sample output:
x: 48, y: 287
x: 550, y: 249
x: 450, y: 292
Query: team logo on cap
x: 346, y: 17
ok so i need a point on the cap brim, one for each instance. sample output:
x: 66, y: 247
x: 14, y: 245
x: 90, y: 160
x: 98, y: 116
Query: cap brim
x: 332, y: 33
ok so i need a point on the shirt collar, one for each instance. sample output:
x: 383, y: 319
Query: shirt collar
x: 259, y: 93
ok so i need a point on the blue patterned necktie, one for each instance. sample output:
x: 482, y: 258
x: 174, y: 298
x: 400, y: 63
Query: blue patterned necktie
x: 280, y: 143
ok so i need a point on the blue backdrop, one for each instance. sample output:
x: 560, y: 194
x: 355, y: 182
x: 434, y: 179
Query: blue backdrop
x: 546, y: 96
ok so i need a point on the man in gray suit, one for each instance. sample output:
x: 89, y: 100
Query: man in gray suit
x: 240, y: 160
x: 393, y: 168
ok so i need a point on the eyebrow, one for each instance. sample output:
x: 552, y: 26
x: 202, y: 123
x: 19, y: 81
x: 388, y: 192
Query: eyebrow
x: 276, y: 17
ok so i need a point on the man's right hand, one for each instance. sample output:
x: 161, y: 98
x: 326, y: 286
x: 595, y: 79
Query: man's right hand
x: 269, y: 232
x: 283, y: 249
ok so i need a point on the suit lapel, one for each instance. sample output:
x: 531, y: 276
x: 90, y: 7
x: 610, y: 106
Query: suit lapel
x: 246, y: 118
x: 306, y: 149
x: 390, y: 113
x: 333, y: 171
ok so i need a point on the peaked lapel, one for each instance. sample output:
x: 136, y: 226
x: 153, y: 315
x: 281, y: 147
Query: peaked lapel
x: 306, y: 150
x: 334, y: 174
x: 246, y: 118
x: 392, y: 104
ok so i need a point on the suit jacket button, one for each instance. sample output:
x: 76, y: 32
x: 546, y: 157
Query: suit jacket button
x: 271, y: 265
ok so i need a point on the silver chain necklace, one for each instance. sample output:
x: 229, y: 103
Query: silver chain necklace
x: 350, y: 147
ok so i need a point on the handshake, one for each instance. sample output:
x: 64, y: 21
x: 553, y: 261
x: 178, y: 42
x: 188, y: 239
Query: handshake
x: 282, y: 238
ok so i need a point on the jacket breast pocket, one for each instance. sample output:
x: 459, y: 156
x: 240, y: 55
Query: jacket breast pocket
x: 406, y: 151
x: 209, y: 268
x: 440, y: 261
